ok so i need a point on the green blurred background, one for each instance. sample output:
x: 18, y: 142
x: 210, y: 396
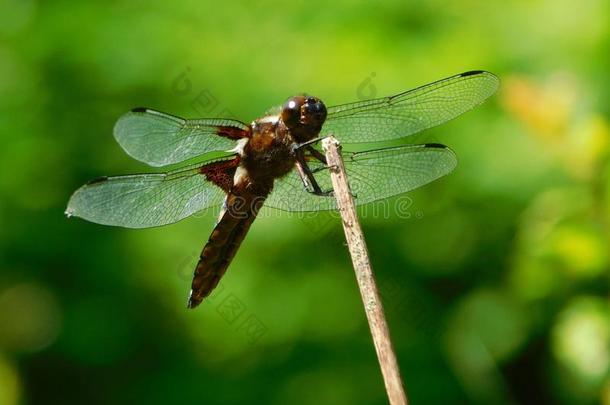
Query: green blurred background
x: 495, y: 286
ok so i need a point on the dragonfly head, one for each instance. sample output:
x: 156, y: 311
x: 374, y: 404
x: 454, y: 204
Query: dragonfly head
x: 304, y: 116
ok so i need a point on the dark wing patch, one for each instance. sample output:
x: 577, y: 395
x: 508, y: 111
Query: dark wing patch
x: 221, y: 173
x: 231, y: 132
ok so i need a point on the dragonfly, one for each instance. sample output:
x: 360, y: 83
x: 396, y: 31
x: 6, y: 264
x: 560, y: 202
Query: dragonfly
x: 274, y: 161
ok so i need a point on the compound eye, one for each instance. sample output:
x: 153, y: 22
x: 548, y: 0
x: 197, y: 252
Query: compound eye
x: 315, y: 110
x: 291, y: 111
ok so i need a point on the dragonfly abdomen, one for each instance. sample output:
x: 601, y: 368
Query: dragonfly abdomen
x: 227, y: 236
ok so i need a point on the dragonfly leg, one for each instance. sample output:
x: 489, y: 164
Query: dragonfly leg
x: 306, y: 174
x: 308, y: 143
x: 319, y: 156
x: 320, y: 168
x: 316, y: 154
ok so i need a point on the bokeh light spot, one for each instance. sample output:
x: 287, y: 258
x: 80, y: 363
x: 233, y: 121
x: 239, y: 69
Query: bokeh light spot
x: 9, y: 384
x: 29, y: 318
x: 581, y: 338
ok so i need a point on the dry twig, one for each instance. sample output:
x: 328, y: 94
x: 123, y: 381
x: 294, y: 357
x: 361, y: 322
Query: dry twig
x: 364, y: 274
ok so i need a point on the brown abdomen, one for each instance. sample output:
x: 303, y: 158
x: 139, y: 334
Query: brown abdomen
x: 220, y: 249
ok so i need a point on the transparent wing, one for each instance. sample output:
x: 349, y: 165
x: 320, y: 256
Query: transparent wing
x: 373, y: 175
x: 145, y: 200
x: 160, y: 139
x: 407, y: 113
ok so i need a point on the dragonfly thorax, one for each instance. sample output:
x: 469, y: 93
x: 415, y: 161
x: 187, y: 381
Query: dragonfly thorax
x: 269, y: 152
